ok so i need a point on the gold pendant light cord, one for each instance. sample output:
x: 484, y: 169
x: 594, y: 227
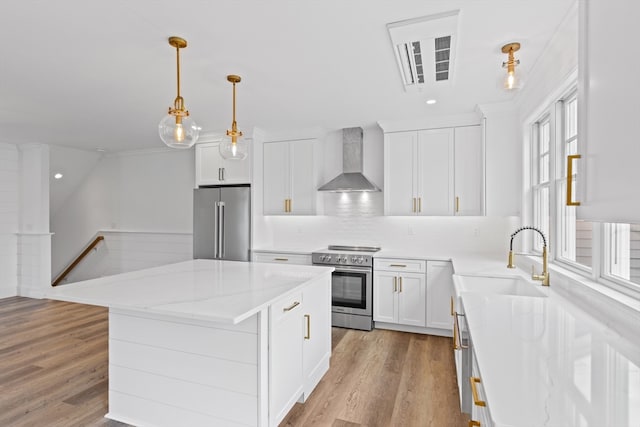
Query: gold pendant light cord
x: 234, y: 125
x: 178, y: 71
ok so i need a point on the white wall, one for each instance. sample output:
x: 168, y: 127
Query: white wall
x: 141, y: 191
x: 75, y: 165
x: 9, y: 209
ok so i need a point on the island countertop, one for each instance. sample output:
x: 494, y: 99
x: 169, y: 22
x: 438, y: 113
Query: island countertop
x: 210, y: 290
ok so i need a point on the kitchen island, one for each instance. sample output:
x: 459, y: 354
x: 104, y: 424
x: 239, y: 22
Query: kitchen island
x: 209, y: 342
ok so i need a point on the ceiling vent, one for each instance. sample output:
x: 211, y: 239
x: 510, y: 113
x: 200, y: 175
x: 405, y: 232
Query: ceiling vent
x: 424, y: 49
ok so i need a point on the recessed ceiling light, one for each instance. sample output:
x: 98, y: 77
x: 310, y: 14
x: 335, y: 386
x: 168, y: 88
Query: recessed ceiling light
x: 57, y: 175
x: 431, y: 101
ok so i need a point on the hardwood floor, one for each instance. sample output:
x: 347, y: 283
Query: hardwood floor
x: 54, y: 372
x: 384, y: 378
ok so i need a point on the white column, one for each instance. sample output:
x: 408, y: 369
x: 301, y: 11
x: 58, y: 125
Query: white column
x: 34, y: 238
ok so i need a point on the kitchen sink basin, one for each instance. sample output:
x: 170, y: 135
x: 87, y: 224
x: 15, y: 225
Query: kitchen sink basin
x: 497, y: 285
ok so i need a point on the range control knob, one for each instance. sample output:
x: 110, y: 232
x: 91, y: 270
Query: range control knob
x: 343, y: 259
x: 360, y: 260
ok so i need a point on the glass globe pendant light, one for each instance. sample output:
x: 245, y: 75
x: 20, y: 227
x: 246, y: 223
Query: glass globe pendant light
x: 233, y: 147
x: 177, y: 129
x: 512, y: 80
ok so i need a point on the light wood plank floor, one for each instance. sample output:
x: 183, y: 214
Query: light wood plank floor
x: 54, y: 368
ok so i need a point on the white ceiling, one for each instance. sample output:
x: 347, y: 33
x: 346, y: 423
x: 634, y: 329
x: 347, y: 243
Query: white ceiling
x: 100, y: 74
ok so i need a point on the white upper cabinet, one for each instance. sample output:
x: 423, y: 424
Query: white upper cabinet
x: 290, y: 177
x: 609, y: 104
x: 468, y: 171
x: 434, y: 172
x: 212, y: 169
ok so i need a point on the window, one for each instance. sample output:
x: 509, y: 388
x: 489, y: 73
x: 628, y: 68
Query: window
x: 607, y: 253
x: 575, y: 237
x: 622, y: 253
x: 541, y: 149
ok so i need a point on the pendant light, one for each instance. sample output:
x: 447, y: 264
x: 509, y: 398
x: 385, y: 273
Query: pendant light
x: 512, y: 80
x: 233, y: 147
x: 177, y: 129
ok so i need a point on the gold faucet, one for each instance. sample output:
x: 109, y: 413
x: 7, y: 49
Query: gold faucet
x: 544, y: 277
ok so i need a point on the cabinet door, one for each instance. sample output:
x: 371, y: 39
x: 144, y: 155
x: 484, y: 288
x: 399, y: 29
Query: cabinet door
x: 208, y: 164
x: 281, y: 258
x: 237, y: 171
x: 399, y: 177
x: 303, y: 185
x: 412, y: 299
x: 435, y: 172
x: 608, y: 125
x: 469, y: 180
x: 276, y: 182
x: 384, y: 297
x: 439, y: 293
x: 285, y: 356
x: 317, y: 333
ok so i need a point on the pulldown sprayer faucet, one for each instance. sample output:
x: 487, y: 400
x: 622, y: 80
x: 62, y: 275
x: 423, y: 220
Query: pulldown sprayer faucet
x: 544, y: 277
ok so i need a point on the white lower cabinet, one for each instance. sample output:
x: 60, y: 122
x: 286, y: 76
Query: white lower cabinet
x: 413, y: 292
x: 399, y: 295
x: 299, y: 347
x: 285, y: 356
x: 282, y: 257
x: 439, y: 293
x: 317, y: 335
x: 480, y: 415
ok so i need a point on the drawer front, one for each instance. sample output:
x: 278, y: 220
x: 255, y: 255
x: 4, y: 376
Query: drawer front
x: 408, y: 265
x: 288, y: 306
x: 282, y: 258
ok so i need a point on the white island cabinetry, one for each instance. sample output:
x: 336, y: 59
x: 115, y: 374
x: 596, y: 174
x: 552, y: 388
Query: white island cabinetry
x: 209, y: 342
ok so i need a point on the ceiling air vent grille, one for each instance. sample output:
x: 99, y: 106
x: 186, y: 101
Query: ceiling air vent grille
x: 442, y: 56
x: 424, y: 48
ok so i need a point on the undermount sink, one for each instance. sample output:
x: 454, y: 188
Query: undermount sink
x: 497, y: 285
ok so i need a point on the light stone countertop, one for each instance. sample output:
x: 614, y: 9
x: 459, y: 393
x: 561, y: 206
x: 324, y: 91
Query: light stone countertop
x: 210, y: 290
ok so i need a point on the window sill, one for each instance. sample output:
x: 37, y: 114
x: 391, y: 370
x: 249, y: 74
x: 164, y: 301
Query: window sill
x: 615, y: 308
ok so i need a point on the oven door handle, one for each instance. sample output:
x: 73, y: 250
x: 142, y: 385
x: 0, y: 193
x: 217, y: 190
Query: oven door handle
x: 347, y: 269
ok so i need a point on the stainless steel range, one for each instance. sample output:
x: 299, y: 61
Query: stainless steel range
x: 351, y: 284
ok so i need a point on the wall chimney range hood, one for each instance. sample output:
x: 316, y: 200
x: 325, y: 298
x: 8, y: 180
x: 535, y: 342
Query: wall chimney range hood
x: 351, y: 178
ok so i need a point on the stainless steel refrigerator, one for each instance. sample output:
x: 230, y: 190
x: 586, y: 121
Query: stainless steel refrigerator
x: 222, y: 223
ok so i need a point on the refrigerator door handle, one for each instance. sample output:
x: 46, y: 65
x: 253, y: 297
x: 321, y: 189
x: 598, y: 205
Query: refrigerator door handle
x: 221, y: 230
x: 216, y: 220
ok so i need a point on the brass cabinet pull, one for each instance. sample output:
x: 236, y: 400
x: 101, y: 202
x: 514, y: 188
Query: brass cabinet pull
x: 455, y: 335
x: 290, y: 209
x: 456, y: 326
x: 451, y: 308
x: 286, y: 205
x: 474, y: 423
x: 281, y: 259
x: 419, y: 204
x: 307, y: 317
x: 398, y: 265
x: 292, y: 306
x: 457, y: 204
x: 570, y: 160
x: 395, y: 284
x: 474, y: 392
x: 414, y: 204
x: 400, y: 284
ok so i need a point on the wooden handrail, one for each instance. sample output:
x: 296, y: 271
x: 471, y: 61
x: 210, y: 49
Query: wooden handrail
x: 75, y: 262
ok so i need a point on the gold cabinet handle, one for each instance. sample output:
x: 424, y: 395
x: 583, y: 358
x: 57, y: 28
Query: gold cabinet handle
x: 286, y: 205
x: 455, y: 334
x: 570, y: 160
x: 400, y: 284
x: 307, y: 317
x: 395, y: 284
x: 290, y: 207
x: 281, y: 259
x: 414, y: 204
x: 474, y: 392
x: 457, y: 204
x: 456, y: 326
x: 398, y: 265
x: 292, y: 306
x: 474, y: 423
x: 419, y: 204
x: 451, y: 308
